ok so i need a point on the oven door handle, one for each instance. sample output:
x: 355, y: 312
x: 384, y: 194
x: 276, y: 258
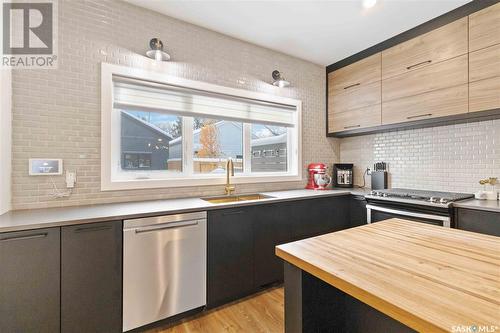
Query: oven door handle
x: 369, y: 208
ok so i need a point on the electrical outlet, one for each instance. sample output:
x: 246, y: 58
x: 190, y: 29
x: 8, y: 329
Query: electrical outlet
x: 70, y: 179
x: 368, y: 171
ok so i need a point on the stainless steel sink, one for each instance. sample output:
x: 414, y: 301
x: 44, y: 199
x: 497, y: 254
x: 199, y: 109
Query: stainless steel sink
x: 236, y: 198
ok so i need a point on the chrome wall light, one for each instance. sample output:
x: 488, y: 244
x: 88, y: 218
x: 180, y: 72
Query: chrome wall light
x: 156, y: 51
x: 279, y: 80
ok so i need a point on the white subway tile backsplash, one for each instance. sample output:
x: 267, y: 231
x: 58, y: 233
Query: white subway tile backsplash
x: 450, y: 158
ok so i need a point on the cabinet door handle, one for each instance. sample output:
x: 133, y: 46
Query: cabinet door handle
x: 94, y: 228
x: 420, y: 63
x: 352, y: 85
x: 353, y: 126
x: 164, y: 226
x: 419, y: 116
x: 25, y: 237
x: 233, y: 212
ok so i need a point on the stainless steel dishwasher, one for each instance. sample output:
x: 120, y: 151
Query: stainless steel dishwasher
x: 164, y: 267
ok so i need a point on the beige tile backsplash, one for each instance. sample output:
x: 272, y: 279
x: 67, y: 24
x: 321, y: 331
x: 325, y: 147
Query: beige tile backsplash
x: 56, y: 113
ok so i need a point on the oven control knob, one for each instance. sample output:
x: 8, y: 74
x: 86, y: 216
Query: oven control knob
x: 432, y: 199
x: 443, y: 201
x: 373, y: 193
x: 384, y: 195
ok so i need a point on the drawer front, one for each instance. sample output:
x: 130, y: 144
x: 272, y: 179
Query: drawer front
x: 358, y: 97
x: 435, y: 46
x: 440, y: 103
x: 357, y: 74
x: 484, y: 94
x: 484, y: 28
x: 354, y: 119
x: 445, y: 74
x: 484, y: 63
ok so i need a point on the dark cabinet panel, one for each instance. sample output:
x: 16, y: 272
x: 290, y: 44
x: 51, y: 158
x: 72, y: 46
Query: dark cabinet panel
x: 230, y: 254
x: 272, y: 226
x: 483, y: 222
x: 357, y: 206
x: 30, y: 281
x: 91, y: 278
x: 318, y: 216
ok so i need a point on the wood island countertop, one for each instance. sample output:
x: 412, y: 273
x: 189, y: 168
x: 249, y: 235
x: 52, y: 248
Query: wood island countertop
x: 430, y: 278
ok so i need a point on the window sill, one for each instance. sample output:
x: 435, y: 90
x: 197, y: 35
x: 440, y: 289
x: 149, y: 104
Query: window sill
x: 188, y: 182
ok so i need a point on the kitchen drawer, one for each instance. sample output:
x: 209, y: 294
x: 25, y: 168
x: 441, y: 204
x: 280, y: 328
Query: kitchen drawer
x: 484, y: 94
x: 484, y: 28
x: 439, y: 103
x: 354, y: 119
x: 433, y: 47
x: 357, y: 97
x: 357, y: 74
x: 445, y: 74
x: 484, y: 63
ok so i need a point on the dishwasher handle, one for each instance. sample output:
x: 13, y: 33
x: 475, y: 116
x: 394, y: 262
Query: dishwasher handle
x: 164, y: 226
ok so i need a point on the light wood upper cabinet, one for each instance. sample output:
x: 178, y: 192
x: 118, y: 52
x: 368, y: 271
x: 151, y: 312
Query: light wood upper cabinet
x: 484, y: 63
x: 484, y: 59
x: 450, y: 71
x: 355, y: 119
x: 444, y: 43
x: 438, y: 103
x: 357, y: 97
x: 357, y: 74
x: 484, y: 28
x: 484, y: 94
x: 442, y: 75
x: 354, y: 95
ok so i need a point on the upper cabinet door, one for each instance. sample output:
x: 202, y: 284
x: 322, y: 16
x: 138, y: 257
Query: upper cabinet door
x: 355, y: 75
x: 484, y: 63
x: 484, y: 28
x: 446, y: 42
x: 352, y: 90
x: 442, y: 75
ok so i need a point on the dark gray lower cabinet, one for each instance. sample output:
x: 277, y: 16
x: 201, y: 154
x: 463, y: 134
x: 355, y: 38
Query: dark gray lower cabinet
x: 272, y: 226
x: 357, y: 206
x: 242, y: 241
x: 29, y: 281
x: 484, y: 222
x: 312, y: 217
x: 230, y: 255
x: 91, y: 277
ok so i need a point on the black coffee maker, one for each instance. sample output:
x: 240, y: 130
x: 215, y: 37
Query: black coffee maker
x: 343, y: 175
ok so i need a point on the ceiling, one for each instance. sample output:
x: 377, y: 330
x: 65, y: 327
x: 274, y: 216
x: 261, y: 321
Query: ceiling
x: 322, y: 32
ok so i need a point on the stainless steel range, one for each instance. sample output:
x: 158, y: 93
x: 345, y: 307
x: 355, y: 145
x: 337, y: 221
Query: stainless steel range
x: 423, y: 206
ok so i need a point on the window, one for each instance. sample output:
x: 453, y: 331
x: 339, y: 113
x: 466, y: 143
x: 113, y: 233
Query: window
x: 159, y: 131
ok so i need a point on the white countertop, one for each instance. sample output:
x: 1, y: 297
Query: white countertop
x: 54, y: 217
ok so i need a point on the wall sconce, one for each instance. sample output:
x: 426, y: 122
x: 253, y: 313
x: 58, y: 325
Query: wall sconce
x: 156, y: 51
x: 279, y: 80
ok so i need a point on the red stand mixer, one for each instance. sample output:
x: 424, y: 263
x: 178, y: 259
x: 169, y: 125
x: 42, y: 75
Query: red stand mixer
x: 318, y: 178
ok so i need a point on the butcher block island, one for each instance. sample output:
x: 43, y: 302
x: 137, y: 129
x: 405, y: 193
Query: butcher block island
x: 393, y: 276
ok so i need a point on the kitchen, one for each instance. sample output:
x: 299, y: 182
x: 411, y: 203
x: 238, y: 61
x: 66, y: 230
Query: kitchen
x: 179, y: 169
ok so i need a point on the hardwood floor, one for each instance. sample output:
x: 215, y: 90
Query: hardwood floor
x: 262, y: 312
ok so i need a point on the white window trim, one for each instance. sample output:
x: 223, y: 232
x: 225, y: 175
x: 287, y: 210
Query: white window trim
x: 107, y: 135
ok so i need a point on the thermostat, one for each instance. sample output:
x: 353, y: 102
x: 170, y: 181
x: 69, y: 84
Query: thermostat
x: 45, y: 167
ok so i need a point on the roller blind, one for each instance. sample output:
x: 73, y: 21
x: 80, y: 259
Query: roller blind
x: 132, y: 94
